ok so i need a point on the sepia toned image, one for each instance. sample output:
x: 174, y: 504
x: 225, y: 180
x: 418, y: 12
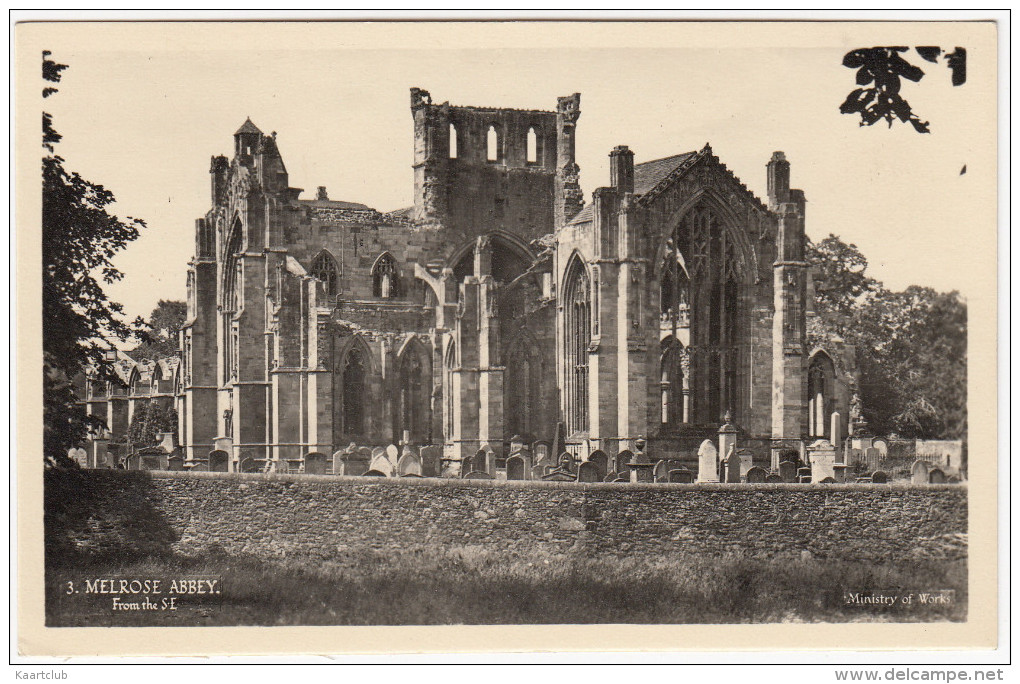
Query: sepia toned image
x: 353, y: 325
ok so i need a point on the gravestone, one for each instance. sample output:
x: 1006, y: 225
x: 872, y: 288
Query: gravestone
x: 788, y: 471
x: 281, y: 466
x: 315, y: 463
x: 919, y: 472
x: 149, y: 463
x: 756, y: 475
x: 200, y: 468
x: 541, y: 451
x: 622, y: 460
x: 409, y: 463
x: 661, y: 471
x: 872, y: 457
x: 478, y: 475
x: 175, y: 463
x: 610, y: 477
x: 733, y: 466
x: 600, y: 460
x: 822, y: 457
x: 565, y: 462
x: 587, y: 472
x: 708, y: 462
x: 374, y: 473
x: 681, y: 475
x: 559, y: 476
x: 936, y: 476
x: 219, y: 461
x: 249, y: 465
x: 393, y: 453
x: 839, y: 472
x: 515, y: 468
x: 746, y: 461
x: 879, y: 477
x: 773, y: 478
x: 559, y: 444
x: 485, y: 460
x: 382, y: 464
x: 431, y: 457
x: 827, y: 480
x: 377, y: 452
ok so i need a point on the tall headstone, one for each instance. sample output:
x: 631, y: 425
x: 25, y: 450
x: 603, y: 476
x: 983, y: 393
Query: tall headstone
x: 919, y: 472
x: 600, y: 460
x: 431, y: 457
x: 623, y: 460
x: 746, y: 461
x: 515, y: 467
x: 559, y: 444
x: 835, y: 432
x: 393, y: 453
x: 708, y: 462
x: 733, y: 465
x: 727, y: 437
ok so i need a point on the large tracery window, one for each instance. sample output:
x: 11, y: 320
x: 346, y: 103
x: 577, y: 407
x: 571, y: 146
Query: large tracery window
x: 577, y: 329
x: 385, y: 278
x: 700, y: 286
x: 325, y: 271
x: 353, y: 371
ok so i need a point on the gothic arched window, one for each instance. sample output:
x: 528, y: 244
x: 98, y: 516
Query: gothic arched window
x: 353, y: 372
x: 325, y: 271
x: 414, y: 393
x: 448, y: 390
x: 453, y: 141
x: 577, y: 328
x: 492, y: 144
x: 385, y: 279
x: 820, y: 390
x: 532, y: 143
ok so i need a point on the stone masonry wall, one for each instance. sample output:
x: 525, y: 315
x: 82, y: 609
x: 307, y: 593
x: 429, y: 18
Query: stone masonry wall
x: 323, y: 517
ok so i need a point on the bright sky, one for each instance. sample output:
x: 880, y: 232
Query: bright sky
x: 143, y: 117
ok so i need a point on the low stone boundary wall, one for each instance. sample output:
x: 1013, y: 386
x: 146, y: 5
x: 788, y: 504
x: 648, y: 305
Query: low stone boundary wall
x: 140, y: 513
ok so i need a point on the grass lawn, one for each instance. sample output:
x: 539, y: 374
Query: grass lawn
x: 472, y: 585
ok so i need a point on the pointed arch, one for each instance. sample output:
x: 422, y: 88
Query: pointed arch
x: 449, y: 389
x: 532, y: 146
x: 453, y: 141
x: 522, y: 405
x: 354, y: 378
x: 673, y: 390
x: 492, y: 151
x: 324, y: 268
x: 415, y: 374
x: 576, y: 304
x: 385, y: 277
x: 821, y: 394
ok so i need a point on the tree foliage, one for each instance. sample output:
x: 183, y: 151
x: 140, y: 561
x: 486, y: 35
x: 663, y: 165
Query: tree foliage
x: 879, y: 70
x: 79, y: 238
x: 911, y: 345
x: 160, y: 337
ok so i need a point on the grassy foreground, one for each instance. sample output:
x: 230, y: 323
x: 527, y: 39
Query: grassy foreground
x: 472, y: 585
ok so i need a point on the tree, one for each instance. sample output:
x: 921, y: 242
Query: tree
x: 79, y: 239
x: 911, y: 345
x: 160, y: 338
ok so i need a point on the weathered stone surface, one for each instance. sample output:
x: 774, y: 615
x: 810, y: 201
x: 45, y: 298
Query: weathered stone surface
x: 301, y: 515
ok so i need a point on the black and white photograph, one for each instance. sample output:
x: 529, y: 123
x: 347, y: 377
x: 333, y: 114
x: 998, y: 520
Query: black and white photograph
x: 350, y: 324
